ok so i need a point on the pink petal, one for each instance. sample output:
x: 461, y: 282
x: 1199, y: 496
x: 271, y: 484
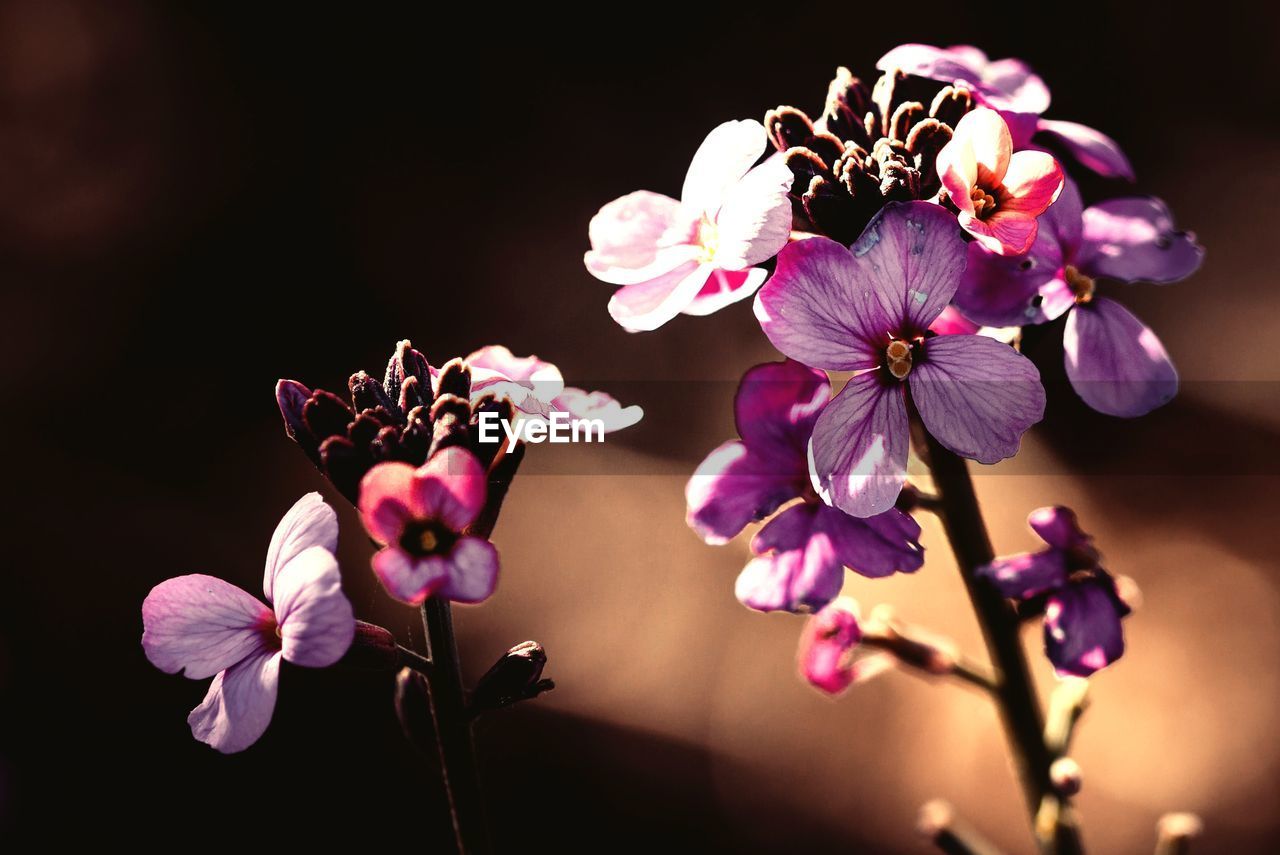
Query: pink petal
x: 1115, y: 362
x: 1015, y: 290
x: 734, y: 487
x: 527, y: 381
x: 385, y: 500
x: 472, y: 571
x: 648, y: 305
x: 958, y: 62
x: 826, y: 645
x: 1011, y: 84
x: 581, y: 404
x: 858, y: 454
x: 1032, y: 183
x: 754, y: 222
x: 408, y: 579
x: 722, y: 159
x: 239, y: 704
x: 1094, y: 149
x: 725, y: 287
x: 957, y: 167
x: 775, y: 409
x: 1134, y: 239
x: 315, y: 618
x: 200, y: 625
x: 450, y: 487
x: 1004, y: 232
x: 638, y: 237
x: 987, y: 136
x: 976, y: 395
x: 951, y: 322
x: 310, y: 522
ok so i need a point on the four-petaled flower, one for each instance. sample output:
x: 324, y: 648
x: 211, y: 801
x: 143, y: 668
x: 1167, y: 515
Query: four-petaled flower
x: 1114, y: 361
x: 801, y: 553
x: 829, y: 656
x: 868, y: 309
x: 204, y: 627
x: 699, y: 254
x: 999, y: 193
x: 1082, y: 609
x: 421, y: 517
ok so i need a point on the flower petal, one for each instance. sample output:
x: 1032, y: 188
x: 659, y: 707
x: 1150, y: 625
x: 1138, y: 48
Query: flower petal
x: 775, y: 408
x: 581, y: 404
x: 1026, y: 574
x: 1011, y: 84
x: 876, y: 546
x: 1012, y: 290
x: 795, y: 567
x: 1004, y: 232
x: 648, y: 305
x: 985, y: 133
x: 1135, y: 239
x: 408, y: 579
x: 1032, y: 183
x: 1057, y: 526
x: 828, y: 639
x: 200, y: 625
x: 858, y: 454
x: 1094, y: 149
x: 976, y: 395
x: 310, y: 522
x: 1115, y: 362
x: 496, y: 371
x: 385, y: 500
x: 239, y: 704
x: 638, y: 237
x: 450, y: 487
x: 723, y: 158
x: 754, y: 222
x: 733, y: 487
x: 472, y: 571
x: 725, y: 287
x: 1082, y: 631
x: 315, y: 618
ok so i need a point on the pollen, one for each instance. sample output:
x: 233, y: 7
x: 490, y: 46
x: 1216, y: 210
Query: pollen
x: 1081, y: 286
x: 428, y: 541
x: 984, y: 203
x: 898, y: 359
x: 708, y: 239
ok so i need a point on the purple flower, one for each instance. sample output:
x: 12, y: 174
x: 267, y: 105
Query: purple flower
x: 801, y: 552
x: 1010, y: 86
x: 868, y: 309
x: 829, y: 649
x: 1082, y: 609
x: 1114, y: 362
x: 205, y: 627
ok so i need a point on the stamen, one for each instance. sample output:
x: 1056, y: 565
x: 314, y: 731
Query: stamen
x: 984, y: 203
x: 898, y: 359
x: 708, y: 239
x: 1082, y: 286
x: 428, y: 541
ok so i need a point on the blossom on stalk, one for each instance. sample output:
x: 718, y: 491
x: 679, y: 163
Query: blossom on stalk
x: 801, y: 553
x: 1082, y: 608
x: 867, y: 309
x: 204, y: 627
x: 829, y: 655
x: 1010, y: 86
x: 420, y: 516
x: 698, y: 254
x: 999, y: 193
x: 1113, y: 360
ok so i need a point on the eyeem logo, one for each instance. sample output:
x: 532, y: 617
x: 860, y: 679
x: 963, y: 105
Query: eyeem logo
x: 558, y: 427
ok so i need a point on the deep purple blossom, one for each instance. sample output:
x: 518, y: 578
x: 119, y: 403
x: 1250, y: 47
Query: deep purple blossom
x: 1114, y: 362
x: 801, y: 552
x: 868, y: 309
x: 1082, y: 608
x: 204, y: 627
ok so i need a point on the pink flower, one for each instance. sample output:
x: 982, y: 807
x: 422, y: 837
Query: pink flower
x: 829, y: 657
x: 420, y: 515
x: 999, y: 193
x: 699, y: 254
x: 205, y: 627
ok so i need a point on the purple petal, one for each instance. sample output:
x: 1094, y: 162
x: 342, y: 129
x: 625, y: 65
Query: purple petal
x: 858, y: 454
x: 1006, y: 83
x: 1115, y: 362
x: 1022, y: 576
x: 406, y: 578
x: 1135, y: 239
x: 1094, y: 149
x: 200, y: 625
x: 310, y: 522
x: 976, y: 395
x: 239, y: 704
x: 734, y: 487
x: 473, y: 571
x: 796, y: 567
x: 876, y: 546
x: 1010, y: 290
x: 1058, y: 527
x: 775, y: 409
x: 315, y: 618
x: 1082, y: 631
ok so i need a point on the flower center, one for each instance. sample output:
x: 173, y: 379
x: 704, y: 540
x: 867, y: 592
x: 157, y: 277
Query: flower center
x: 427, y: 537
x: 898, y: 359
x: 708, y: 238
x: 1082, y: 286
x: 984, y: 203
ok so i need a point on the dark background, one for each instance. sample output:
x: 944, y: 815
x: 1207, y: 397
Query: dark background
x: 198, y: 199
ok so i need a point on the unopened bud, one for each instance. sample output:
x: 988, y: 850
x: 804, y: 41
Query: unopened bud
x: 1175, y: 831
x: 516, y: 676
x: 373, y: 648
x: 413, y: 708
x: 1065, y: 776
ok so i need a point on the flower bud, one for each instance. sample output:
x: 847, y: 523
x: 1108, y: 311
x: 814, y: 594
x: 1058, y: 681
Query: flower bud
x: 1065, y: 776
x: 373, y: 648
x: 516, y: 676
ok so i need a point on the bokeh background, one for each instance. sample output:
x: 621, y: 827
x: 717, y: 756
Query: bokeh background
x: 198, y: 199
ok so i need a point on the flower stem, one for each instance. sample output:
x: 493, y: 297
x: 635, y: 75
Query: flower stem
x: 1014, y: 694
x: 453, y: 730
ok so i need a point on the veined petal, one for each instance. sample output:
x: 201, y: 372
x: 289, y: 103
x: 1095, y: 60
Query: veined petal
x: 472, y: 571
x: 638, y: 237
x: 723, y: 158
x: 858, y: 454
x: 385, y: 500
x: 315, y: 618
x: 876, y: 546
x: 1032, y: 183
x: 1094, y: 149
x: 200, y: 625
x: 450, y: 487
x: 775, y: 408
x: 725, y: 287
x: 239, y: 704
x: 1009, y: 290
x: 976, y: 395
x: 406, y: 578
x: 754, y: 222
x: 1115, y: 362
x: 1026, y: 574
x: 733, y: 487
x: 1135, y: 239
x: 648, y: 305
x: 310, y: 522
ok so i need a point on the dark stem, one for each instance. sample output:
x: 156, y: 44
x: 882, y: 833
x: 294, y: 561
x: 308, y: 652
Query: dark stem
x: 1014, y: 694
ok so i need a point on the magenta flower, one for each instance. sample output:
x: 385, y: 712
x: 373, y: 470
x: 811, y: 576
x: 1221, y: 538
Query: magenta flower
x: 868, y: 309
x: 1010, y: 86
x: 421, y: 516
x: 999, y: 193
x: 1114, y: 362
x: 205, y: 627
x: 801, y: 553
x: 1082, y: 609
x: 699, y: 254
x: 829, y: 656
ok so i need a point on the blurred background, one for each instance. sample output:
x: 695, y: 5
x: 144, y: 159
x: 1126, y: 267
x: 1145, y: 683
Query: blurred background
x: 198, y: 199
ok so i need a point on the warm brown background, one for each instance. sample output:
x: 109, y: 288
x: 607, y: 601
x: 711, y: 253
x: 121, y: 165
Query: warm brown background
x: 196, y: 200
